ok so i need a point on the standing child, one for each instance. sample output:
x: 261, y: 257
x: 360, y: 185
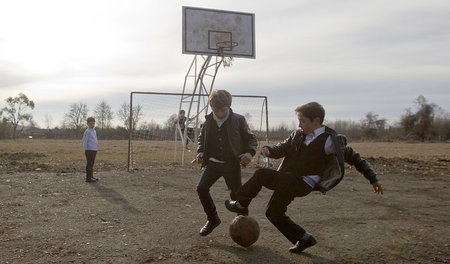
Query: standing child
x: 182, y: 124
x: 314, y: 159
x: 90, y: 145
x: 225, y: 142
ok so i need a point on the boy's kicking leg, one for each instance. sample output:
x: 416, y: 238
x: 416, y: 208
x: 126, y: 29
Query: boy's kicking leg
x: 262, y: 177
x: 287, y: 189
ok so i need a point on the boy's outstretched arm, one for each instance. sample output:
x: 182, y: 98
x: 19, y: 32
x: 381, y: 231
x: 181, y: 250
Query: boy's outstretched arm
x: 364, y: 167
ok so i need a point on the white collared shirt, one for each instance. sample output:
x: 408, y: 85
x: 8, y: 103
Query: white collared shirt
x: 312, y: 180
x: 221, y: 121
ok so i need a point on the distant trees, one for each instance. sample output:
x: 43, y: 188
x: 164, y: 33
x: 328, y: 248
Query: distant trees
x: 169, y: 125
x: 124, y: 115
x: 424, y: 121
x: 419, y: 124
x: 16, y: 111
x: 441, y: 126
x: 103, y: 115
x: 351, y: 129
x: 372, y: 126
x: 4, y: 127
x: 76, y: 117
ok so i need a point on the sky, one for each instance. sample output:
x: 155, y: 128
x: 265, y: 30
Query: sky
x: 352, y: 56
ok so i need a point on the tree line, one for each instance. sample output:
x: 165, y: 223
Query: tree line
x: 426, y: 121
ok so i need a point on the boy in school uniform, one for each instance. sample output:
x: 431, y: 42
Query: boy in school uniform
x: 224, y: 143
x: 314, y: 159
x: 90, y: 145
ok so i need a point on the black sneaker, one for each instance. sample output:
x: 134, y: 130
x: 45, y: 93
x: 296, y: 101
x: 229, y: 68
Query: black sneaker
x: 91, y: 179
x: 303, y: 244
x: 209, y: 227
x: 231, y: 206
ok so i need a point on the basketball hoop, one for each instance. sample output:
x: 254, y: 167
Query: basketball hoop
x: 228, y: 46
x: 225, y: 45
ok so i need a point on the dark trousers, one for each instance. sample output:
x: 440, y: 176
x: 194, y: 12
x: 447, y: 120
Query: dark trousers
x: 90, y: 159
x: 286, y: 187
x: 232, y: 175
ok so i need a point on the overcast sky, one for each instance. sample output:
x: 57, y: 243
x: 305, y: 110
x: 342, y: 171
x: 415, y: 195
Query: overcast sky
x: 352, y: 56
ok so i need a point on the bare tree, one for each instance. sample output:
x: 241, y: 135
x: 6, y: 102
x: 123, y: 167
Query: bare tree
x: 124, y: 115
x: 442, y: 125
x: 76, y: 116
x: 169, y: 125
x: 372, y: 126
x: 103, y: 115
x: 419, y: 124
x: 15, y: 111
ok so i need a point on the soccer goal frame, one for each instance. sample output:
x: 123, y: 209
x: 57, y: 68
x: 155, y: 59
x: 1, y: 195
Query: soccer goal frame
x: 259, y: 126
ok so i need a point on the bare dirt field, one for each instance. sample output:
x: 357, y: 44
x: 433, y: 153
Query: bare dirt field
x: 48, y: 214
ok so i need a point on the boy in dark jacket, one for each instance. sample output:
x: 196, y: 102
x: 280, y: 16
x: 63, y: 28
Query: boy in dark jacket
x: 224, y: 143
x: 314, y: 159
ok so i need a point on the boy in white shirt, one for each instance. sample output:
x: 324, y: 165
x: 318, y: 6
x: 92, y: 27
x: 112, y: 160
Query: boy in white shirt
x: 90, y: 145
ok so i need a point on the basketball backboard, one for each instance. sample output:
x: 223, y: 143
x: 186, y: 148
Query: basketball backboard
x: 214, y: 32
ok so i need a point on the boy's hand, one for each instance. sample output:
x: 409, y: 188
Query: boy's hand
x: 265, y: 152
x: 245, y: 158
x: 199, y: 157
x: 377, y: 188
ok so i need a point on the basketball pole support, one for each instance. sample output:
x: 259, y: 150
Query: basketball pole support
x: 199, y: 80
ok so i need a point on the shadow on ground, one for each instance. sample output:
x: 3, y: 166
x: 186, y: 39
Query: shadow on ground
x: 115, y: 197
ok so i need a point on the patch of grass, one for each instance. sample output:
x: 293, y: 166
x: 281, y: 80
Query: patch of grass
x: 68, y: 155
x: 59, y: 155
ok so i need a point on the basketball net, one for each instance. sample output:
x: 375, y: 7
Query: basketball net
x: 227, y: 61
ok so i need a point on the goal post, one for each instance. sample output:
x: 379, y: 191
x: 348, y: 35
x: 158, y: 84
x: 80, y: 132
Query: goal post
x: 155, y: 138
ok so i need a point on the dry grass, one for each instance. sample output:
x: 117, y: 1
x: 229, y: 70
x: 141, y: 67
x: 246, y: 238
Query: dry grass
x: 58, y: 155
x: 416, y: 151
x: 63, y: 151
x: 68, y: 155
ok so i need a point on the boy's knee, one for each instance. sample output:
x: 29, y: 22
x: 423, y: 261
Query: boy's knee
x: 274, y: 215
x: 259, y: 174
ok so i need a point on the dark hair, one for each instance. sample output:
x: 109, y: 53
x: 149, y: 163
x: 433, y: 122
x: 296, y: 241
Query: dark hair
x: 181, y: 112
x: 312, y: 110
x: 220, y: 98
x: 90, y: 119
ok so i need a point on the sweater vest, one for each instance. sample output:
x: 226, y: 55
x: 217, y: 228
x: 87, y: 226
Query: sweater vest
x: 218, y: 145
x: 311, y: 159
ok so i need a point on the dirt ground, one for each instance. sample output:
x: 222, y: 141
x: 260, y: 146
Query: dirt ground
x: 153, y: 216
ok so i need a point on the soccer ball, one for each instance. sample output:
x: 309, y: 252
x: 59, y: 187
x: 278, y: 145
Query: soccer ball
x: 244, y: 230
